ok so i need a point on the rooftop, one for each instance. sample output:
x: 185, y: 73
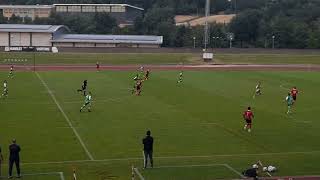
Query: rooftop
x: 27, y: 6
x: 52, y: 6
x: 127, y: 5
x: 86, y: 38
x: 30, y: 28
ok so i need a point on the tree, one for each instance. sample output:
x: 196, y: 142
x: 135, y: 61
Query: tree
x: 104, y: 23
x: 156, y: 16
x: 2, y: 19
x: 179, y: 40
x: 245, y: 26
x: 139, y: 26
x: 15, y: 20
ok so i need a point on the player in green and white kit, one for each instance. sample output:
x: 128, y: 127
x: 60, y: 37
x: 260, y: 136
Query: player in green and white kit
x: 180, y: 77
x: 258, y: 90
x: 290, y: 101
x: 5, y: 89
x: 87, y: 102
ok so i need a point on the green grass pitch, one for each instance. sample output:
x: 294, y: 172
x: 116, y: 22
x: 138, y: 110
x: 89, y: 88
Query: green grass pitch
x: 197, y: 125
x: 154, y: 58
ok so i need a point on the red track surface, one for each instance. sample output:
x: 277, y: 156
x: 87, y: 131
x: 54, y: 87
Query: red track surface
x: 234, y: 67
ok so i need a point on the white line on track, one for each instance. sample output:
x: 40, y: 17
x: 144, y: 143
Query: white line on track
x: 173, y: 157
x: 65, y: 116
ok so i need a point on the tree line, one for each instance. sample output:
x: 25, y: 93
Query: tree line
x: 259, y: 23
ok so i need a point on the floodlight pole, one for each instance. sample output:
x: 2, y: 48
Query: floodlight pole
x: 273, y: 41
x: 34, y: 60
x: 206, y: 26
x: 194, y: 42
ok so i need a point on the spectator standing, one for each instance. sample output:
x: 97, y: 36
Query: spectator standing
x: 1, y: 159
x: 148, y: 149
x: 14, y: 158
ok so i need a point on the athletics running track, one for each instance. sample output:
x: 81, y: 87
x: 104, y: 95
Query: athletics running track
x: 217, y: 67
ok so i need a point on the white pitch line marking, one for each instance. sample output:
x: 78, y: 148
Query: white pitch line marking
x: 233, y: 170
x: 203, y: 165
x: 171, y: 157
x: 65, y: 116
x: 139, y: 174
x: 61, y: 175
x: 186, y: 166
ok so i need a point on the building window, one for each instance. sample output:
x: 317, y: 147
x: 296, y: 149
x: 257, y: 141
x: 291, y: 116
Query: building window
x: 103, y: 8
x: 118, y: 9
x: 61, y: 9
x: 88, y: 9
x: 74, y: 9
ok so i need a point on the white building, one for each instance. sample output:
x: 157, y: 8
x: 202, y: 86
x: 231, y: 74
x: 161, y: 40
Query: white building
x: 20, y: 35
x: 29, y: 35
x: 123, y: 13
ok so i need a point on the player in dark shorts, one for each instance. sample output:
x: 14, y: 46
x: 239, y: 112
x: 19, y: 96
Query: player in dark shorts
x: 138, y: 87
x: 11, y: 72
x: 135, y: 79
x: 251, y: 173
x: 147, y: 74
x: 83, y: 87
x: 248, y: 116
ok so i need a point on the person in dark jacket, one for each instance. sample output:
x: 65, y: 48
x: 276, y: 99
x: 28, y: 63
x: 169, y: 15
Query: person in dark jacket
x: 251, y: 172
x: 14, y: 158
x: 148, y: 149
x: 1, y: 159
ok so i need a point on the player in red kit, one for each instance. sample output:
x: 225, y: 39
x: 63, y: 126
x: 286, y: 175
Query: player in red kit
x: 248, y: 116
x: 98, y: 66
x: 294, y: 93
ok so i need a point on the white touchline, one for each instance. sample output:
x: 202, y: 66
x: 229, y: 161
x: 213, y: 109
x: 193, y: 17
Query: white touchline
x: 61, y: 175
x: 65, y: 116
x: 191, y: 165
x: 202, y: 165
x: 169, y: 157
x: 233, y: 170
x: 139, y: 174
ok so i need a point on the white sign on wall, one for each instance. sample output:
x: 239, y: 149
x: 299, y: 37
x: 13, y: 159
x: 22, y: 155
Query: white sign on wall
x: 207, y: 56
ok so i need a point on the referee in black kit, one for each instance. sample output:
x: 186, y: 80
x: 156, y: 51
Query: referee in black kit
x: 147, y: 149
x: 14, y: 158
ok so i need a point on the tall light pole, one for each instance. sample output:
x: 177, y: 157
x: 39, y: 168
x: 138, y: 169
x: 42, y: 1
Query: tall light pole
x: 230, y: 1
x: 273, y: 41
x: 230, y: 43
x: 194, y: 42
x: 217, y: 43
x: 235, y: 5
x: 206, y: 26
x: 214, y: 43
